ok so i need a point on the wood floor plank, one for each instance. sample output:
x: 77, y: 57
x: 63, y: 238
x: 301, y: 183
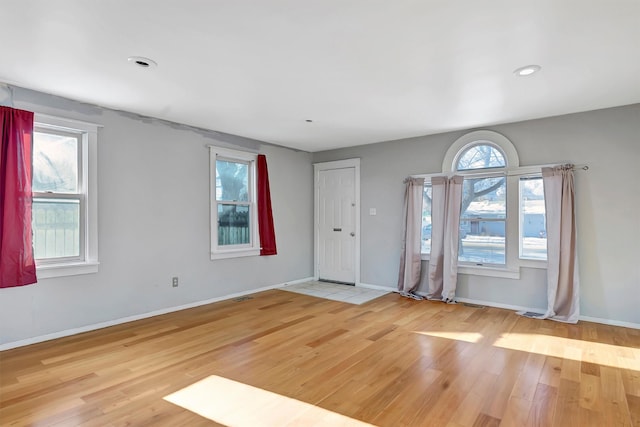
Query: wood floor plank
x: 590, y: 392
x: 543, y: 407
x: 567, y: 412
x: 470, y: 409
x: 496, y: 404
x: 389, y: 362
x: 634, y: 409
x: 550, y: 374
x: 614, y: 399
x: 485, y: 420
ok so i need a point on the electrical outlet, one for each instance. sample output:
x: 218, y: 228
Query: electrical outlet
x: 174, y: 282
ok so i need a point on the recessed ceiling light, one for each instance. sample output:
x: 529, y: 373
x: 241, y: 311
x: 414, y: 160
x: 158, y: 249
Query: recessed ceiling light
x: 142, y: 62
x: 527, y: 70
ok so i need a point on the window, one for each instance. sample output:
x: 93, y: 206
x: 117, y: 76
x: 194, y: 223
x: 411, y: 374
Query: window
x: 57, y: 197
x: 233, y: 204
x: 502, y: 220
x: 480, y: 156
x: 426, y: 218
x: 533, y: 226
x: 64, y: 211
x: 483, y: 213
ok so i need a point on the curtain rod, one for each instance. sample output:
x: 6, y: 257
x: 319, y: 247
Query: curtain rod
x: 522, y: 170
x: 516, y: 170
x: 235, y: 147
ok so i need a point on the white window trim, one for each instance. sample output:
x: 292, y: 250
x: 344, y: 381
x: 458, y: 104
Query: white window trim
x: 513, y: 171
x: 78, y: 195
x: 253, y: 249
x: 479, y: 137
x: 89, y: 169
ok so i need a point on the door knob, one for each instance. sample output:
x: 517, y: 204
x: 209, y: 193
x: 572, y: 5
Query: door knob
x: 352, y: 234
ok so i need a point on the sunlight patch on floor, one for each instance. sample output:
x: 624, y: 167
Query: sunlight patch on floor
x: 233, y: 403
x: 472, y: 337
x: 566, y: 348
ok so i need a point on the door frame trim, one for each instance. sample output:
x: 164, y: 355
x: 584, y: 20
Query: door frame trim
x: 338, y: 164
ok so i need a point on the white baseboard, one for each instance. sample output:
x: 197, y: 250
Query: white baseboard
x: 542, y: 310
x: 93, y: 327
x: 610, y: 322
x: 517, y: 308
x: 295, y: 282
x: 114, y: 322
x: 377, y: 287
x: 500, y: 305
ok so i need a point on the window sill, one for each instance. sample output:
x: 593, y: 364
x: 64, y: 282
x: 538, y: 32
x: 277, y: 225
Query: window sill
x: 532, y: 263
x: 496, y: 271
x: 48, y: 271
x: 489, y: 271
x: 235, y: 254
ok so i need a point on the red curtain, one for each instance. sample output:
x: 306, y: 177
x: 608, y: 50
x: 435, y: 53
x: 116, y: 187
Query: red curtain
x: 265, y: 216
x: 17, y: 265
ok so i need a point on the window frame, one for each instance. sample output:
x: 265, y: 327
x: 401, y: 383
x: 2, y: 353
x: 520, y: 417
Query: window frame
x: 512, y: 172
x: 233, y: 251
x: 427, y: 183
x: 65, y: 196
x: 479, y: 143
x: 87, y: 260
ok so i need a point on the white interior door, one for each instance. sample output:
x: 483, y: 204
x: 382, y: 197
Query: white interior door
x: 336, y: 224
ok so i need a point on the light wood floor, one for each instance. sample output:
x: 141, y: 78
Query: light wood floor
x: 388, y: 362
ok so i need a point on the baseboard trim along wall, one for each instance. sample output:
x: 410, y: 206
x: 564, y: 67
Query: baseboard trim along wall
x: 542, y: 310
x: 610, y: 322
x: 377, y: 287
x: 515, y: 307
x: 101, y: 325
x: 93, y: 327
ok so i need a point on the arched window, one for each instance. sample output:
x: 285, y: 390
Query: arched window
x: 493, y: 208
x: 482, y: 149
x: 480, y: 156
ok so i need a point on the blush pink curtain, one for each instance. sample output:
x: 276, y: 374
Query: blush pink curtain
x: 265, y: 215
x: 446, y: 201
x: 563, y: 284
x: 17, y: 264
x: 410, y: 256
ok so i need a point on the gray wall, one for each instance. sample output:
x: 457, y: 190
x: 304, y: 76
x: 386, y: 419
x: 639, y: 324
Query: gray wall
x: 154, y: 224
x: 154, y: 218
x: 608, y: 204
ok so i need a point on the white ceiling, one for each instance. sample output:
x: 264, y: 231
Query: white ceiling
x: 363, y: 70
